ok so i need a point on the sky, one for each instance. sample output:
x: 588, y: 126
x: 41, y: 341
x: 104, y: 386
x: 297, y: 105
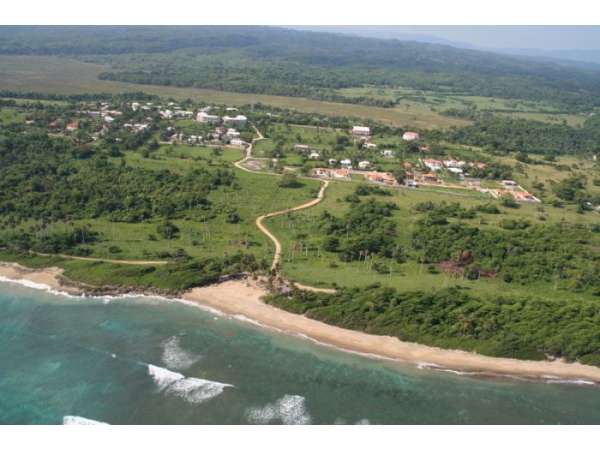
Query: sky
x: 493, y: 37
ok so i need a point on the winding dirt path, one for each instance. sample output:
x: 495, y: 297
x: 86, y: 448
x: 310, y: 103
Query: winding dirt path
x: 261, y: 226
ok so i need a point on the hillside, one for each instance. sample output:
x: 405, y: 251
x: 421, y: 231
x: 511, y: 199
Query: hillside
x: 300, y: 63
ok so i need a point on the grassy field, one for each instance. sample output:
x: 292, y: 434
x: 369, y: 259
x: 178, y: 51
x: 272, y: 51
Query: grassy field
x: 210, y: 233
x: 304, y: 260
x: 426, y: 103
x: 10, y: 115
x: 67, y: 76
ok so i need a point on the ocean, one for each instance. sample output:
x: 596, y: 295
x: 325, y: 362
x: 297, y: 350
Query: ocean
x: 142, y: 360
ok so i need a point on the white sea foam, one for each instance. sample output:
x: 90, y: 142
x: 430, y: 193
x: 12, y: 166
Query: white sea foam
x: 289, y: 410
x: 193, y: 390
x: 38, y: 286
x: 77, y: 420
x: 363, y: 422
x: 175, y: 357
x: 567, y: 381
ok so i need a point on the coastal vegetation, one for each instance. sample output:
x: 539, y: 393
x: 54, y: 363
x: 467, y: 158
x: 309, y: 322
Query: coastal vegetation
x: 148, y: 197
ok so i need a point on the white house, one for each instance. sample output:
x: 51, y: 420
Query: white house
x: 509, y: 184
x: 332, y: 162
x: 364, y: 164
x: 204, y: 117
x: 238, y: 142
x: 387, y: 153
x: 361, y: 131
x: 233, y: 133
x: 370, y: 146
x: 347, y: 163
x: 455, y: 170
x: 314, y: 155
x: 433, y: 164
x: 166, y: 114
x: 238, y: 121
x: 410, y: 136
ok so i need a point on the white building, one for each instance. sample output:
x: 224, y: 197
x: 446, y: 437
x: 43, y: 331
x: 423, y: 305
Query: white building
x: 364, y: 165
x: 410, y: 136
x: 370, y: 146
x: 361, y: 131
x: 233, y: 133
x: 332, y: 162
x: 204, y: 117
x: 237, y: 142
x: 238, y: 121
x: 347, y: 163
x: 314, y: 155
x: 433, y: 164
x: 387, y: 153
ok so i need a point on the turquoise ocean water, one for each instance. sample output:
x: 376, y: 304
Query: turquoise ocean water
x: 151, y: 361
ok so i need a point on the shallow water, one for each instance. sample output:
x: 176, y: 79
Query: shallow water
x: 149, y: 361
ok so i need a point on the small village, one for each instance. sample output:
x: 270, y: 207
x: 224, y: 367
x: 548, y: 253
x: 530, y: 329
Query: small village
x: 425, y: 173
x: 212, y: 126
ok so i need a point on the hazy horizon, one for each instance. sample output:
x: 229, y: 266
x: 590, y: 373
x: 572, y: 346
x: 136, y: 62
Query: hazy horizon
x: 482, y: 36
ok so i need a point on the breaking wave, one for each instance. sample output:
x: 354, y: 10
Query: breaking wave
x: 77, y: 420
x: 289, y: 410
x: 175, y: 357
x: 193, y: 390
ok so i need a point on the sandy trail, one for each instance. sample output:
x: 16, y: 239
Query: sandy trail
x: 112, y: 261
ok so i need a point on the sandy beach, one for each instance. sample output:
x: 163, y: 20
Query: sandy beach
x: 243, y: 298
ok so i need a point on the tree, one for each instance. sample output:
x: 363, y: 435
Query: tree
x: 289, y: 180
x: 167, y: 230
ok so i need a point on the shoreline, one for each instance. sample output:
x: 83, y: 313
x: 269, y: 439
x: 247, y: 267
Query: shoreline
x: 242, y: 298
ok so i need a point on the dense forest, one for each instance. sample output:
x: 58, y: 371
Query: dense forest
x: 300, y: 63
x: 498, y: 134
x: 526, y: 328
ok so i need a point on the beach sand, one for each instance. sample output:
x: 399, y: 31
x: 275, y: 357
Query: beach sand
x: 243, y: 298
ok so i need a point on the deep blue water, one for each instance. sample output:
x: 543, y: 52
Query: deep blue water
x: 150, y: 361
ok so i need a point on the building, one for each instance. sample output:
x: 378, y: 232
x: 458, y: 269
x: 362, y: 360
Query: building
x: 361, y: 131
x: 387, y: 153
x: 433, y: 164
x: 204, y: 117
x: 233, y: 133
x: 332, y: 162
x: 455, y: 170
x: 370, y: 146
x: 509, y: 184
x: 382, y: 177
x: 72, y: 126
x: 364, y: 165
x: 339, y: 174
x: 410, y: 136
x: 238, y: 121
x: 429, y: 178
x: 301, y: 148
x: 314, y: 155
x: 454, y: 163
x: 410, y: 183
x: 347, y: 163
x: 237, y: 142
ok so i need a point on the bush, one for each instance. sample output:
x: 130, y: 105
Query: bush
x: 289, y: 180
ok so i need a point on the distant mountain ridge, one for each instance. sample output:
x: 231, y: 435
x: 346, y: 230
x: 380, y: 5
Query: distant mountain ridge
x: 301, y: 63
